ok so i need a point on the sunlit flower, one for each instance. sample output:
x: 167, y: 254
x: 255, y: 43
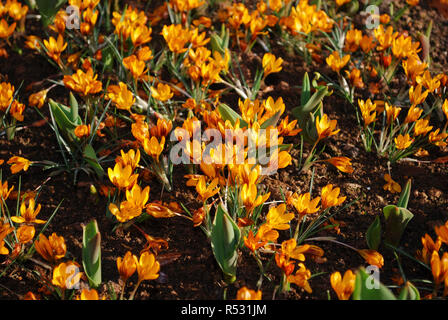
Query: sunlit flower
x: 121, y: 96
x: 247, y: 294
x: 6, y: 95
x: 330, y: 196
x: 90, y: 17
x: 147, y: 267
x: 367, y: 44
x: 325, y: 127
x: 286, y: 128
x: 141, y: 35
x: 4, y: 191
x: 5, y: 229
x: 403, y: 142
x: 131, y: 158
x: 33, y: 42
x: 82, y: 82
x: 51, y: 249
x: 197, y: 39
x: 16, y: 110
x: 127, y: 265
x: 278, y: 219
x: 430, y: 83
x: 127, y: 211
x: 341, y: 2
x: 416, y: 96
x: 284, y: 263
x: 88, y: 294
x: 16, y: 10
x: 136, y: 67
x: 335, y: 62
x: 403, y: 47
x: 153, y: 148
x: 122, y: 177
x: 353, y: 38
x: 292, y: 251
x: 82, y: 131
x: 6, y: 30
x: 442, y: 232
x: 303, y: 203
x: 355, y: 78
x: 368, y: 111
x: 413, y: 114
x: 439, y: 267
x: 384, y: 37
x: 176, y: 37
x: 186, y: 5
x: 250, y: 198
x: 372, y: 257
x: 37, y: 99
x: 301, y: 277
x: 59, y: 22
x: 162, y: 128
x: 343, y: 164
x: 162, y: 93
x: 25, y: 233
x: 343, y: 287
x: 391, y: 112
x: 414, y: 67
x: 28, y: 213
x: 204, y: 191
x: 55, y: 47
x: 428, y: 247
x: 421, y: 127
x: 271, y: 64
x: 144, y: 54
x: 391, y: 185
x: 66, y: 275
x: 252, y: 242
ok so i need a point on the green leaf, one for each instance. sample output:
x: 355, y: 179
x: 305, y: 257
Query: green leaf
x: 396, y: 221
x: 404, y: 197
x: 373, y: 234
x: 409, y: 292
x: 272, y: 121
x: 306, y: 89
x: 284, y: 147
x: 225, y: 239
x: 228, y: 113
x: 74, y: 108
x: 220, y: 42
x: 305, y: 113
x: 90, y: 156
x: 91, y: 253
x: 315, y: 99
x: 48, y: 9
x: 63, y: 116
x: 364, y: 292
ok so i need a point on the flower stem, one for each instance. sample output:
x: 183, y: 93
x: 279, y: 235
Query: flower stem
x: 135, y: 290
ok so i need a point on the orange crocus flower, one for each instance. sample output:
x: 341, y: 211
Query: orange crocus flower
x: 127, y: 265
x: 52, y: 248
x: 325, y: 127
x: 391, y: 185
x: 247, y: 294
x: 343, y: 287
x: 28, y: 213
